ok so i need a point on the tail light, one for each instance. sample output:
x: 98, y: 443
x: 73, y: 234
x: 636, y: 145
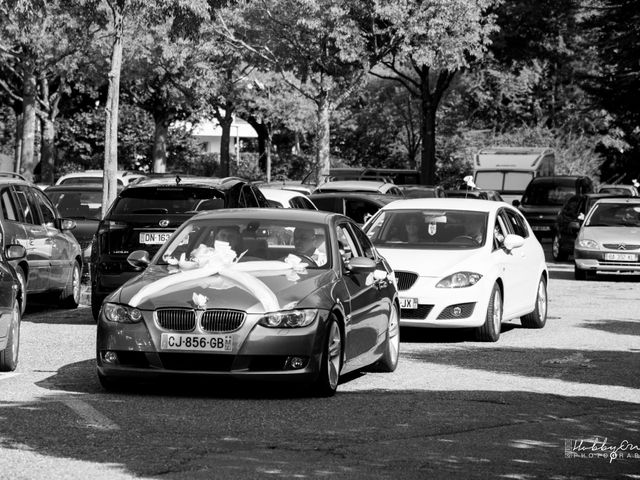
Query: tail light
x: 109, y: 225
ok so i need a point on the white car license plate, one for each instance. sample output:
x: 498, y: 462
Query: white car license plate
x: 196, y: 343
x: 409, y: 303
x: 621, y: 257
x: 541, y: 228
x: 154, y: 238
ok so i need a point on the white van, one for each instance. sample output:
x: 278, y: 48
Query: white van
x: 509, y: 170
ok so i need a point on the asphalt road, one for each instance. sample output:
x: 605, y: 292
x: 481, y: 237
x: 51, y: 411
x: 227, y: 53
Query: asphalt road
x: 455, y: 408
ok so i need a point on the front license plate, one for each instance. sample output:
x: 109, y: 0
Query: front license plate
x: 409, y: 303
x: 154, y: 238
x: 541, y: 228
x: 621, y: 257
x: 196, y: 343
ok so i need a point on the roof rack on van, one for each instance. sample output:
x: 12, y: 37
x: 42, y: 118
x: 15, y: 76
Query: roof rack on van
x: 13, y: 175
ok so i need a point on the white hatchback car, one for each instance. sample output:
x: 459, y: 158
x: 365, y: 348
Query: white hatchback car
x: 462, y: 263
x: 280, y: 198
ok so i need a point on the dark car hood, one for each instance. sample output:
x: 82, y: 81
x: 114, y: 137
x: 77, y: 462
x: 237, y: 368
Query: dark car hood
x: 290, y: 288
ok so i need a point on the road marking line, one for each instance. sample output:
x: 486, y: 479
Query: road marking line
x: 4, y: 376
x: 92, y: 418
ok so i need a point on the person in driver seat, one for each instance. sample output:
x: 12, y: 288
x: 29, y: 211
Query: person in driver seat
x: 308, y: 243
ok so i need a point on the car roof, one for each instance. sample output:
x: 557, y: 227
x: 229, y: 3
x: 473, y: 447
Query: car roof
x: 75, y: 187
x: 472, y: 204
x: 379, y: 198
x: 371, y: 185
x: 619, y: 200
x: 293, y: 214
x: 223, y: 183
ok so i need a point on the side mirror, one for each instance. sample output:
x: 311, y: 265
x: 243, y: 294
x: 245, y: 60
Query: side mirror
x: 361, y: 264
x: 66, y: 224
x: 15, y: 252
x: 512, y: 241
x: 516, y: 203
x: 139, y: 259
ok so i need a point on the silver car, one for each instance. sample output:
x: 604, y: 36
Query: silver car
x: 609, y: 239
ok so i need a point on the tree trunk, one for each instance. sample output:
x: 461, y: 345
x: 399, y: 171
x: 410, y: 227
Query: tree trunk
x: 25, y: 165
x: 225, y: 125
x: 110, y: 184
x: 428, y: 127
x: 17, y: 154
x: 47, y: 149
x: 160, y: 143
x: 323, y: 159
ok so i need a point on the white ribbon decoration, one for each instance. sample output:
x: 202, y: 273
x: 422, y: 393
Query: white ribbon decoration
x: 222, y: 260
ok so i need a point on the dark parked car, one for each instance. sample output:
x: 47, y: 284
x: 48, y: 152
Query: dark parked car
x: 53, y: 262
x: 197, y: 313
x: 10, y: 312
x: 569, y: 220
x: 358, y: 206
x: 544, y: 196
x: 145, y: 215
x: 82, y: 203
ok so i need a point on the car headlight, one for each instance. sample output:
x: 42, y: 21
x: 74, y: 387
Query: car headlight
x: 114, y: 312
x: 586, y: 243
x: 289, y: 319
x: 459, y: 280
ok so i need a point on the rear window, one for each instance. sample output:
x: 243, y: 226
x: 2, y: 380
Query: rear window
x: 163, y: 200
x: 549, y: 193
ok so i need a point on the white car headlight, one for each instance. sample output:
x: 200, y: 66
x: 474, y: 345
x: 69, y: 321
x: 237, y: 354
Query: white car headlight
x: 115, y: 312
x: 459, y: 280
x: 289, y: 319
x: 586, y: 243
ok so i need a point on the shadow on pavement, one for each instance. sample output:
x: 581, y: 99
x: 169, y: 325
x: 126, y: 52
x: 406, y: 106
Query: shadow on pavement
x: 369, y: 434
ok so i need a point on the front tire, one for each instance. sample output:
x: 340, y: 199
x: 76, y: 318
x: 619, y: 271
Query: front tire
x: 490, y: 331
x: 389, y: 360
x: 331, y: 362
x: 537, y: 318
x: 70, y: 296
x: 557, y: 252
x: 9, y: 356
x: 22, y: 280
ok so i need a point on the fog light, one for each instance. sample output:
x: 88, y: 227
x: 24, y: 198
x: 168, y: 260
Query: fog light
x: 296, y: 363
x: 456, y: 311
x: 110, y: 357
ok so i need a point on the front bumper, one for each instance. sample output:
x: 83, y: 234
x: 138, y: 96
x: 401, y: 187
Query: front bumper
x: 258, y: 352
x: 595, y: 260
x: 445, y: 307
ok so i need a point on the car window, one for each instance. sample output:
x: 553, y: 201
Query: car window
x: 77, y: 204
x: 327, y: 204
x: 306, y: 203
x: 247, y: 198
x: 28, y: 206
x: 500, y: 231
x: 516, y: 223
x: 260, y: 198
x: 346, y: 242
x: 366, y: 247
x: 163, y: 200
x: 9, y: 209
x: 46, y: 208
x: 358, y: 209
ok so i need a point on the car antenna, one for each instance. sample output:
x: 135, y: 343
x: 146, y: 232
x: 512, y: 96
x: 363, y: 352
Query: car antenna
x: 178, y: 179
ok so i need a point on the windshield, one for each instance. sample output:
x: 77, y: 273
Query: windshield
x: 428, y: 229
x: 78, y: 204
x: 252, y: 240
x: 503, y: 181
x: 614, y: 215
x: 162, y: 200
x: 552, y: 194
